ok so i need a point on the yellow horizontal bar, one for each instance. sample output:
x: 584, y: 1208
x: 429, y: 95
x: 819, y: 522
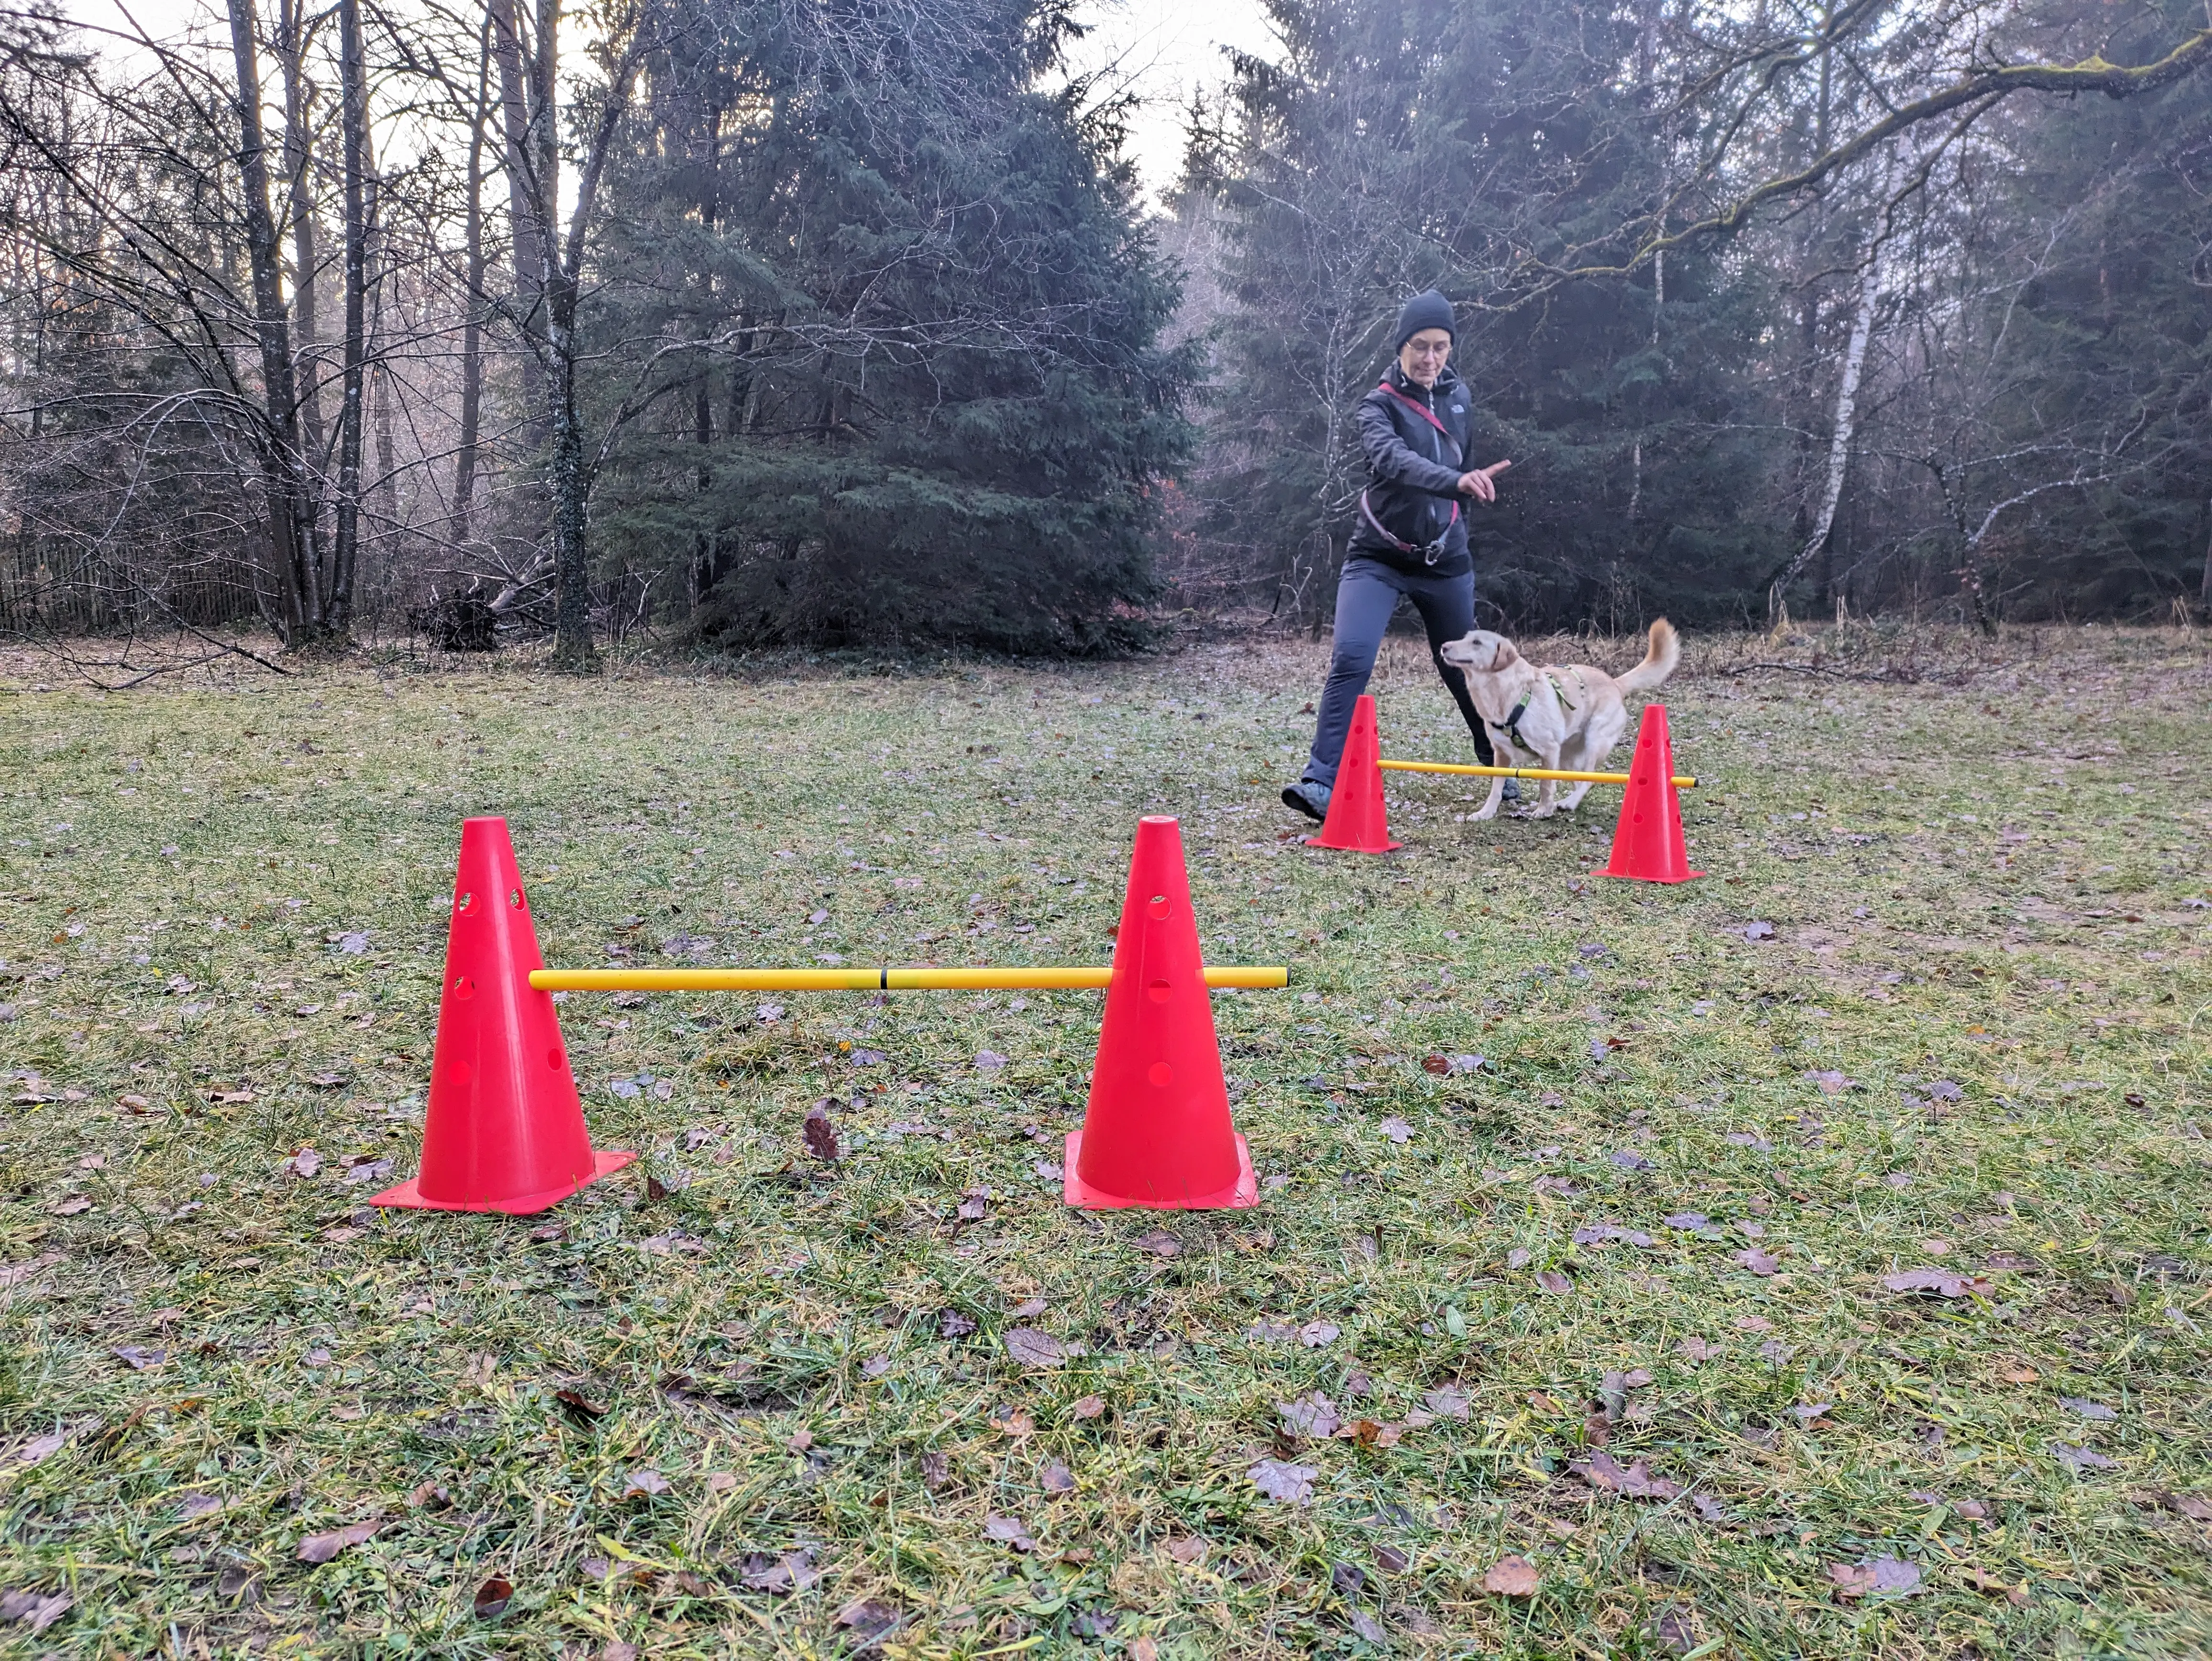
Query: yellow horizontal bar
x: 867, y: 980
x: 1682, y: 780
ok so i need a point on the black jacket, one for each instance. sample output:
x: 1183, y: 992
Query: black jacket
x: 1413, y: 472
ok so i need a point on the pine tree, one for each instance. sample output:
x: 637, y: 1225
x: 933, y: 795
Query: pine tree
x: 908, y: 380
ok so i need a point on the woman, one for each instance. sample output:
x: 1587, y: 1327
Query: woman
x: 1410, y: 541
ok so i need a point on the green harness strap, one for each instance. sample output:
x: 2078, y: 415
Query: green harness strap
x: 1511, y: 729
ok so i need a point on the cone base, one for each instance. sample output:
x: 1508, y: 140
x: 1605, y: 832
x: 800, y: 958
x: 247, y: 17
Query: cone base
x: 408, y: 1196
x: 1322, y: 840
x: 1639, y: 876
x: 1244, y: 1191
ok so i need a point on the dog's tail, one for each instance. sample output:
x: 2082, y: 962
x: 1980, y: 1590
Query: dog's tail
x: 1658, y: 662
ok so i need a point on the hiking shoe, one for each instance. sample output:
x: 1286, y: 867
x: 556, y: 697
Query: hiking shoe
x: 1308, y: 796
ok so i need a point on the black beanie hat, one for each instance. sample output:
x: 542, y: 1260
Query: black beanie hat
x: 1429, y: 310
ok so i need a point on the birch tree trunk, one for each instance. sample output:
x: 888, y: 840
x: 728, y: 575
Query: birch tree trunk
x: 465, y: 457
x: 2205, y: 586
x: 299, y: 169
x: 1845, y: 423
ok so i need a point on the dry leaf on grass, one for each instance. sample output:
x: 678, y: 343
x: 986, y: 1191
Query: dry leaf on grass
x: 644, y: 1483
x: 1449, y: 1402
x: 1943, y: 1282
x: 1159, y: 1242
x: 493, y: 1596
x: 1309, y: 1417
x: 39, y: 1610
x: 793, y: 1571
x: 1008, y: 1531
x: 1291, y: 1484
x: 1033, y: 1348
x: 1088, y: 1408
x: 1602, y: 1470
x: 321, y: 1548
x: 1512, y: 1577
x: 870, y: 1616
x: 1993, y: 1585
x: 2081, y: 1458
x: 1853, y: 1581
x: 578, y: 1403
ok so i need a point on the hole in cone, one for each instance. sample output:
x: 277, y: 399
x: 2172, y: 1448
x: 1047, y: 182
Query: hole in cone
x: 462, y: 904
x: 1160, y: 907
x: 514, y: 897
x: 1159, y: 990
x: 553, y: 1058
x: 464, y: 988
x: 1161, y: 1074
x: 458, y: 1072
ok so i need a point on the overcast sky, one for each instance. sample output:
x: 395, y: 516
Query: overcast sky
x: 1166, y: 49
x: 1161, y: 49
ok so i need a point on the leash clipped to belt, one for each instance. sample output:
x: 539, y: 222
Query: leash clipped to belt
x: 1431, y: 552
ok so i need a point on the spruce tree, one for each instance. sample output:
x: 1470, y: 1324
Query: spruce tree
x: 899, y: 326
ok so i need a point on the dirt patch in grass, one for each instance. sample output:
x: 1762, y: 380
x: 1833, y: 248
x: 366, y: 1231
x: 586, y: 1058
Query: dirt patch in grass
x: 1809, y: 1259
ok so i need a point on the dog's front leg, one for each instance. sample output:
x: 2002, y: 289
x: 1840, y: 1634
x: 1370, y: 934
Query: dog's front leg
x: 1547, y: 758
x: 1502, y: 752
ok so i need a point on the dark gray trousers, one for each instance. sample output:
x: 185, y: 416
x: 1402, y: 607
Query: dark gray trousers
x: 1367, y: 593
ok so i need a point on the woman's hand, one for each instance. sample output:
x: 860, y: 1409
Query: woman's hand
x: 1478, y: 484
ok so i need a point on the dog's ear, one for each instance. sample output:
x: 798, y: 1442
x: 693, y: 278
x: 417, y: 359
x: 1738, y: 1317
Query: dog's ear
x: 1504, y: 656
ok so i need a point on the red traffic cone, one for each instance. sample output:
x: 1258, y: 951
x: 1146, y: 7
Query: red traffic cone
x: 504, y: 1131
x: 1356, y: 820
x: 1647, y: 843
x: 1157, y: 1132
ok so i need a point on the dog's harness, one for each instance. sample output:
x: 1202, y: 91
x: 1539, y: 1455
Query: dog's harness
x: 1431, y: 552
x: 1510, y: 727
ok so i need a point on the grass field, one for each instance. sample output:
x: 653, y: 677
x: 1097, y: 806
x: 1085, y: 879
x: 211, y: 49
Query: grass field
x: 1611, y: 1304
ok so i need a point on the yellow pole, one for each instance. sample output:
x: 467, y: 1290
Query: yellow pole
x: 1681, y: 783
x: 867, y: 980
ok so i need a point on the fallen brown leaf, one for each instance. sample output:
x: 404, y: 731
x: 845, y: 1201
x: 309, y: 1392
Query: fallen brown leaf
x: 1512, y: 1577
x: 321, y: 1548
x: 493, y: 1596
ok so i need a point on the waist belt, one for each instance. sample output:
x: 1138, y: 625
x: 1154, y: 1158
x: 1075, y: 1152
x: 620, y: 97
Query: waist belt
x: 1431, y: 552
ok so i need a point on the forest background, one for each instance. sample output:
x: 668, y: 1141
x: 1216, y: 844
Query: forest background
x: 848, y: 324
